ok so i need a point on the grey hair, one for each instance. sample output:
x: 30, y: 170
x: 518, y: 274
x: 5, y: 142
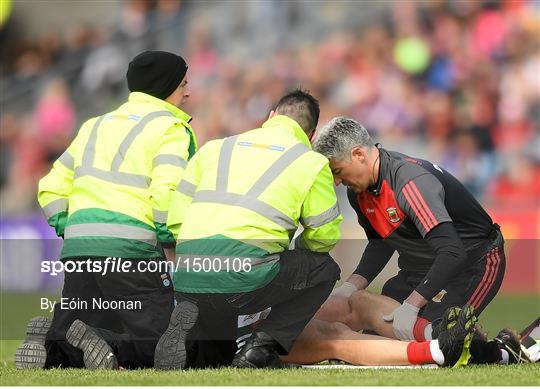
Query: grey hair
x: 339, y: 136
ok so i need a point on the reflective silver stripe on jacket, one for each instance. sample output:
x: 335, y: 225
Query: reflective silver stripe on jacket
x: 90, y: 148
x: 322, y: 218
x: 222, y: 179
x: 54, y: 207
x: 67, y: 160
x: 253, y: 204
x: 110, y: 231
x: 114, y: 176
x: 250, y: 199
x: 276, y: 169
x: 169, y: 159
x: 187, y: 188
x: 159, y: 216
x: 130, y: 137
x: 120, y: 178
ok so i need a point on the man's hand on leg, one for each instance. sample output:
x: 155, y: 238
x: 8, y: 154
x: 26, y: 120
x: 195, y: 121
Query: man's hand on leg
x: 403, y: 319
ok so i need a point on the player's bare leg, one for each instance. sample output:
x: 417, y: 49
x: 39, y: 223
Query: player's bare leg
x: 367, y: 310
x: 363, y: 310
x: 334, y: 309
x: 322, y: 340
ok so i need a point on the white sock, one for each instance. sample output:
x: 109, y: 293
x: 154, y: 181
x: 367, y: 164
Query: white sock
x: 428, y: 332
x: 534, y: 352
x: 505, y: 357
x: 436, y: 352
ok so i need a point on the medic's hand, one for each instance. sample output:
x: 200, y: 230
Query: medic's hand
x: 403, y: 318
x: 345, y: 290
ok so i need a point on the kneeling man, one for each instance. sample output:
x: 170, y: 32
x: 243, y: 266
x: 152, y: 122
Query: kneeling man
x: 450, y: 251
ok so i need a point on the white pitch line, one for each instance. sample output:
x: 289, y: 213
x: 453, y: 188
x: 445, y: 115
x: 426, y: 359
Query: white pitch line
x: 368, y: 367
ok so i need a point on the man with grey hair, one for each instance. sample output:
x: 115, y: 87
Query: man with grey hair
x: 450, y: 251
x: 339, y: 136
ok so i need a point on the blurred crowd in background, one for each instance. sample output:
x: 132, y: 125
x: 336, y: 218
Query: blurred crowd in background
x: 457, y: 82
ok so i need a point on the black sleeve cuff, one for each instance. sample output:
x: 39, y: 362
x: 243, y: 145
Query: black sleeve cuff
x: 374, y: 259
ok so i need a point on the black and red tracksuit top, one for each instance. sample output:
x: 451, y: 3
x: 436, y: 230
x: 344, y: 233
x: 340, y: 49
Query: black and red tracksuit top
x: 411, y: 197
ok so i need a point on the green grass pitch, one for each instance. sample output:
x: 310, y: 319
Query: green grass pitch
x: 514, y: 311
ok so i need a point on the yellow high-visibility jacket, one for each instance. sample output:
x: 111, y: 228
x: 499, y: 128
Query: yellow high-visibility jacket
x: 241, y: 201
x: 108, y: 194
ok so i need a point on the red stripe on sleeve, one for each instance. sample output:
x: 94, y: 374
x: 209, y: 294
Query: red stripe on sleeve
x: 429, y: 214
x: 415, y: 207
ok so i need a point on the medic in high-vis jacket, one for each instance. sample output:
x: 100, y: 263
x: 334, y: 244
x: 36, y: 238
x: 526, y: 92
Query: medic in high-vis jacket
x: 248, y: 194
x: 108, y: 196
x: 235, y: 212
x: 108, y: 193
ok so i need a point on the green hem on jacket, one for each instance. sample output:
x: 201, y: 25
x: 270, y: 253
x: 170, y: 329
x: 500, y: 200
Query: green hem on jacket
x: 101, y: 246
x: 220, y: 245
x: 97, y: 215
x: 108, y: 247
x: 224, y: 282
x: 163, y: 234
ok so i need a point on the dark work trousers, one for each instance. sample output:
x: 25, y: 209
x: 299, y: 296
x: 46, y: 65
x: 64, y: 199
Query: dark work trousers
x: 303, y: 283
x: 477, y: 285
x: 132, y: 333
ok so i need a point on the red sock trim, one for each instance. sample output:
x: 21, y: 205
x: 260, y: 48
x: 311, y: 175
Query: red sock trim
x: 418, y: 329
x: 419, y: 353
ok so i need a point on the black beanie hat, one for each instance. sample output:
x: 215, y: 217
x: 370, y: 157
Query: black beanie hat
x: 157, y: 73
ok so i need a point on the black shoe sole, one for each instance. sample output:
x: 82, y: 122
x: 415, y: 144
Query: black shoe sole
x: 31, y: 354
x: 243, y: 364
x: 97, y: 352
x: 462, y: 323
x: 171, y: 351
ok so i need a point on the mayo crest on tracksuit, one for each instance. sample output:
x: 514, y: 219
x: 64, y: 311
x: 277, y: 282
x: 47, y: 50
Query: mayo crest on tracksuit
x: 248, y: 194
x: 108, y: 194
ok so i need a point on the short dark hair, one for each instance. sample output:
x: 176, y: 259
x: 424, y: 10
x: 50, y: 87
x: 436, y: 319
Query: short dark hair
x: 300, y: 106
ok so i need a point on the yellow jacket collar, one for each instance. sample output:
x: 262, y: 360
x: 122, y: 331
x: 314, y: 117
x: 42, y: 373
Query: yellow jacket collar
x: 290, y: 125
x: 141, y: 97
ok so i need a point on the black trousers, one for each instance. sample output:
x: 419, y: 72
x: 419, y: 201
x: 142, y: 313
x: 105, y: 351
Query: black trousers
x: 132, y: 333
x: 304, y: 282
x: 476, y: 285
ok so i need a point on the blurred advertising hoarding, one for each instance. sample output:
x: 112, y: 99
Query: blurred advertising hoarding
x: 24, y: 243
